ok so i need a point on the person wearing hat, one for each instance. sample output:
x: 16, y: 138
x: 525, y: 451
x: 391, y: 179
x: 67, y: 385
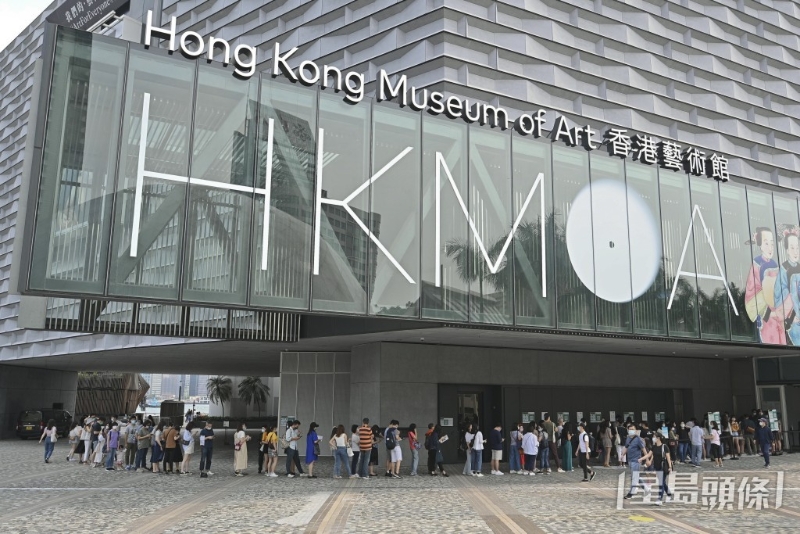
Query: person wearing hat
x: 583, y: 453
x: 764, y: 438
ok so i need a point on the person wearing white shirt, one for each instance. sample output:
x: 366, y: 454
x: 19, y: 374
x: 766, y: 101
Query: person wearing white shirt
x: 293, y: 434
x: 469, y: 435
x: 530, y: 447
x: 477, y: 451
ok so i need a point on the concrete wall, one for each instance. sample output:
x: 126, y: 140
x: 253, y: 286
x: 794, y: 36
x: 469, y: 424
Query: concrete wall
x: 25, y: 388
x: 316, y: 387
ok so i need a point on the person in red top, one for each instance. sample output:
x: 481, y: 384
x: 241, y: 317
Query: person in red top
x: 414, y: 445
x: 365, y: 446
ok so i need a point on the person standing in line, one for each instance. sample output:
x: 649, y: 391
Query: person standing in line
x: 157, y: 454
x: 169, y: 449
x: 553, y: 433
x: 206, y: 449
x: 355, y: 448
x: 130, y: 444
x: 187, y: 446
x: 373, y: 454
x: 736, y: 439
x: 697, y: 438
x: 530, y: 446
x: 365, y: 448
x: 74, y: 439
x: 240, y: 440
x: 634, y: 450
x: 566, y: 441
x: 143, y: 438
x: 764, y: 437
x: 515, y: 440
x: 414, y: 447
x: 50, y: 437
x: 113, y: 444
x: 544, y: 449
x: 748, y: 427
x: 469, y: 436
x: 496, y: 444
x: 477, y: 451
x: 312, y: 448
x: 293, y: 435
x: 606, y: 438
x: 684, y: 443
x: 716, y: 445
x: 262, y: 450
x: 393, y: 439
x: 86, y: 439
x: 272, y: 451
x: 339, y: 443
x: 583, y: 453
x: 433, y: 443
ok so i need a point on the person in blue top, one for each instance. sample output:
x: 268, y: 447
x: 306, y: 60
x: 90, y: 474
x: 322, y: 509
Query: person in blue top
x: 206, y: 449
x: 634, y: 451
x: 312, y: 448
x: 496, y: 444
x: 764, y: 439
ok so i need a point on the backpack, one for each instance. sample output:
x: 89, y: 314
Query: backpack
x: 545, y: 438
x: 391, y: 443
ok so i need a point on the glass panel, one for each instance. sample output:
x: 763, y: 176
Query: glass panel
x: 284, y: 280
x: 395, y: 211
x: 218, y: 243
x: 71, y: 242
x: 712, y: 292
x: 768, y: 369
x: 647, y: 268
x: 676, y: 213
x: 574, y: 251
x: 490, y: 209
x: 787, y: 288
x: 534, y: 303
x: 148, y: 225
x: 612, y: 256
x: 344, y: 269
x: 762, y: 279
x: 738, y: 257
x: 446, y: 299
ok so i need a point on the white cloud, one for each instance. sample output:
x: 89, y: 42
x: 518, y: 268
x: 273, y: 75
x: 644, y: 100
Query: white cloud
x: 16, y: 15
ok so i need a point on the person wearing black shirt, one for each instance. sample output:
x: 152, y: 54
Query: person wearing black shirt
x: 206, y: 450
x: 662, y: 464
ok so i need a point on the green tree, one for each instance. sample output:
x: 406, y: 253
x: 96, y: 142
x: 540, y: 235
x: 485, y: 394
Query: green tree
x: 252, y: 389
x: 220, y: 389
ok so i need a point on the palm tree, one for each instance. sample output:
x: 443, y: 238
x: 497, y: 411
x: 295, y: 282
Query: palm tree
x: 252, y: 389
x: 220, y: 389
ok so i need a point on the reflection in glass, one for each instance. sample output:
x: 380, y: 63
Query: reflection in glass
x: 738, y: 259
x: 533, y: 306
x: 611, y: 269
x: 145, y: 260
x: 712, y: 293
x: 787, y: 288
x: 71, y: 243
x: 649, y: 307
x: 489, y: 208
x: 763, y: 276
x: 395, y: 199
x: 285, y: 281
x: 576, y: 302
x: 676, y: 213
x: 345, y: 271
x: 218, y: 244
x: 448, y: 299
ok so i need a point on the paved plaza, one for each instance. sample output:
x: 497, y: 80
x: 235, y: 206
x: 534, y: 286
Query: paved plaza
x: 68, y: 497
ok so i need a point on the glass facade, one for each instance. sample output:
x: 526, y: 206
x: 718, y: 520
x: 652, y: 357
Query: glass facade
x: 165, y: 179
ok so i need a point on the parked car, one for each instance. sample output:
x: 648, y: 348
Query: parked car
x: 30, y: 423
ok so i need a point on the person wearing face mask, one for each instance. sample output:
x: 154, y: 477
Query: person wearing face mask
x: 634, y: 450
x: 240, y: 440
x: 662, y: 464
x: 513, y: 454
x: 683, y: 442
x: 764, y: 438
x: 262, y: 449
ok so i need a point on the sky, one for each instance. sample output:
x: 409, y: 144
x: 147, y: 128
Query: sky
x: 15, y: 15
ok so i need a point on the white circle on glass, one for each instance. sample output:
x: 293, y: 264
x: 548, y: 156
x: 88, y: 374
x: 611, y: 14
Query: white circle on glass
x: 600, y: 254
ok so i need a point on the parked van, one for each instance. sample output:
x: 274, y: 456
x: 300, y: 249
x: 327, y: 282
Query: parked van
x: 30, y: 423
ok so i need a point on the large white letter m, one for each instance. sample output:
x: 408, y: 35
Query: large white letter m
x: 493, y: 266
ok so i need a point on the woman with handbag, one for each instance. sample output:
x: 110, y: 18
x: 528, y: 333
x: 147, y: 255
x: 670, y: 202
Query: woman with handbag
x: 469, y: 435
x: 50, y: 436
x: 414, y: 445
x: 74, y: 439
x: 187, y: 446
x: 354, y: 446
x: 312, y: 448
x: 340, y: 442
x: 240, y: 440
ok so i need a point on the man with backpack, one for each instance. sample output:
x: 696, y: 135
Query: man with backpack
x: 584, y: 452
x: 634, y: 451
x: 393, y: 450
x: 552, y: 434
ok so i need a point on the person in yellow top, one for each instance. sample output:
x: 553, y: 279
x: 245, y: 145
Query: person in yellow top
x: 262, y: 449
x: 270, y: 441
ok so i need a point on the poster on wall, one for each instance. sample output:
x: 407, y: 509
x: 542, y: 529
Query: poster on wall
x: 627, y: 416
x: 526, y: 418
x: 644, y: 416
x: 713, y: 416
x: 612, y: 415
x: 661, y: 417
x: 595, y: 417
x: 579, y: 416
x: 564, y: 416
x: 773, y: 419
x: 446, y: 421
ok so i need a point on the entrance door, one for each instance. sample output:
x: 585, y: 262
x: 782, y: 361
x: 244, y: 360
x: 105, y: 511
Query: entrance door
x: 772, y: 398
x: 469, y: 411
